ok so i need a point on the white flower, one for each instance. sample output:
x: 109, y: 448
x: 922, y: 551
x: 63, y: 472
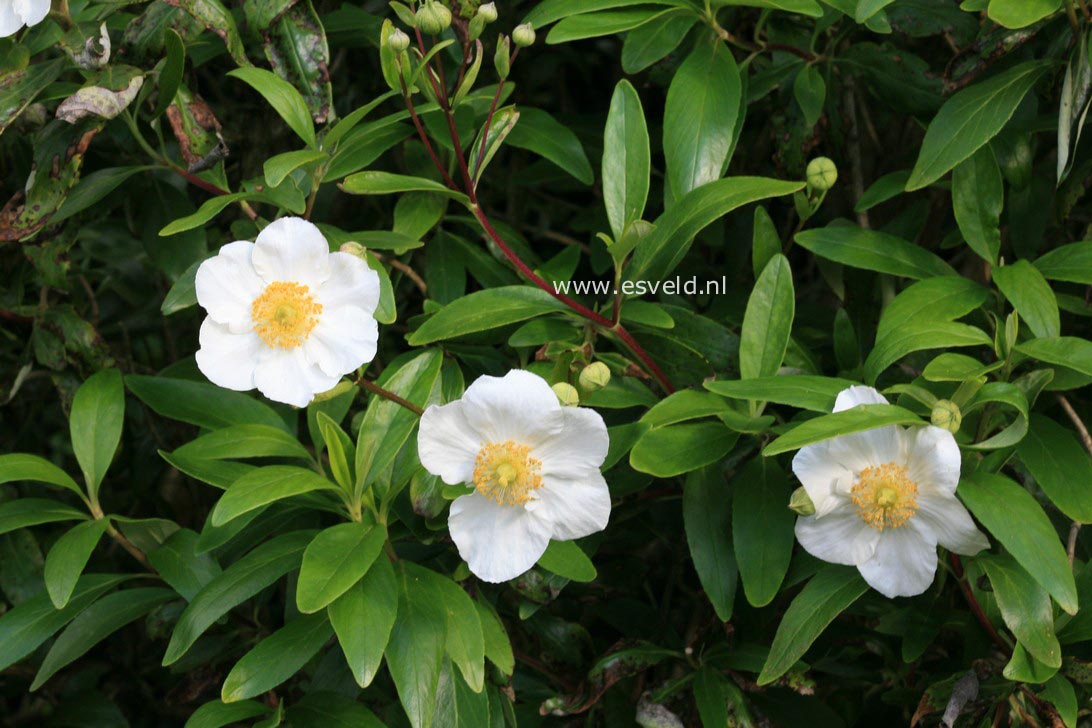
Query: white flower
x: 14, y: 14
x: 285, y: 314
x: 884, y: 499
x: 534, y: 466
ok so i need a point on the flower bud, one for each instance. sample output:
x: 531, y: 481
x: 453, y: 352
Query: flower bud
x: 433, y: 18
x: 821, y: 174
x: 399, y: 41
x: 355, y: 248
x: 566, y: 394
x: 595, y: 376
x: 502, y: 58
x: 946, y: 415
x: 524, y: 35
x: 800, y: 502
x: 488, y: 12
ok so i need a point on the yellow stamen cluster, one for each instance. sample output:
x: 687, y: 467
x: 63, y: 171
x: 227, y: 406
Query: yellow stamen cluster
x: 885, y: 497
x: 505, y: 473
x: 285, y: 314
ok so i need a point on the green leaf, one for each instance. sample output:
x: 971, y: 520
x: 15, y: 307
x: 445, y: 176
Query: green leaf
x: 16, y: 467
x: 210, y: 209
x: 278, y: 167
x: 920, y: 335
x: 363, y: 617
x: 1060, y: 466
x: 626, y: 159
x: 594, y: 25
x: 700, y: 116
x: 283, y: 97
x: 276, y: 658
x: 711, y: 696
x: 544, y: 135
x: 95, y: 624
x: 803, y: 7
x: 803, y: 391
x: 387, y: 425
x: 416, y: 649
x: 1066, y: 351
x: 217, y: 714
x: 810, y: 91
x: 886, y: 187
x: 1025, y: 607
x: 94, y: 187
x: 978, y: 196
x: 677, y: 449
x: 659, y: 253
x: 33, y: 512
x: 969, y: 119
x: 295, y: 45
x: 68, y: 557
x: 334, y: 561
x: 388, y: 183
x: 550, y: 11
x: 28, y: 625
x: 1015, y: 519
x: 828, y: 594
x: 707, y: 519
x: 686, y: 404
x: 465, y: 641
x: 264, y: 486
x: 1072, y: 263
x: 767, y: 323
x: 182, y: 565
x: 1016, y: 14
x: 483, y: 310
x: 98, y: 414
x: 21, y: 87
x: 933, y: 299
x: 651, y: 42
x: 1031, y: 296
x: 341, y: 451
x: 201, y: 404
x: 325, y: 709
x: 873, y: 250
x: 244, y: 441
x: 497, y: 646
x: 239, y: 582
x: 566, y: 559
x: 859, y: 418
x: 762, y: 529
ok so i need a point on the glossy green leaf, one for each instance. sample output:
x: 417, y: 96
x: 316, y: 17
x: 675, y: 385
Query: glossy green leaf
x: 767, y: 322
x: 707, y: 519
x: 829, y: 593
x: 803, y: 391
x: 182, y: 565
x: 677, y: 449
x: 66, y: 560
x: 96, y: 420
x: 201, y: 404
x: 26, y: 512
x: 1066, y: 351
x: 264, y: 486
x: 1072, y: 263
x: 859, y: 418
x: 1060, y: 466
x: 276, y: 658
x: 1029, y: 293
x: 566, y: 559
x: 544, y: 135
x: 363, y: 617
x: 626, y: 159
x: 1021, y: 13
x: 969, y: 119
x: 1014, y: 518
x: 977, y: 200
x: 334, y: 561
x: 283, y: 97
x: 416, y: 649
x: 873, y: 250
x: 920, y: 335
x: 762, y: 528
x: 242, y: 442
x: 1025, y: 607
x: 17, y: 467
x: 484, y: 310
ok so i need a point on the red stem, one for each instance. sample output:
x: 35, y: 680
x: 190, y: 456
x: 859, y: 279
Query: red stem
x: 976, y: 608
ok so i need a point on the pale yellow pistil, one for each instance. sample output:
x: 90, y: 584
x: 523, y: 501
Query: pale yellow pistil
x: 885, y: 496
x: 505, y: 473
x: 285, y: 314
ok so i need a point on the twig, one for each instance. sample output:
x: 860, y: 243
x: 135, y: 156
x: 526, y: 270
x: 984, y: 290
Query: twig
x: 853, y: 142
x: 410, y: 272
x: 1086, y: 440
x: 389, y: 395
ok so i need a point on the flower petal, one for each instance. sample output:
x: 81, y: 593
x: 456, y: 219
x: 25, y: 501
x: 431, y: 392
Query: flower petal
x: 351, y: 283
x: 932, y: 459
x: 853, y: 396
x: 580, y: 446
x: 285, y: 375
x: 10, y: 22
x: 228, y: 359
x: 904, y: 563
x: 825, y: 479
x: 446, y: 443
x: 497, y: 542
x: 32, y: 11
x: 949, y: 523
x: 576, y: 507
x: 840, y: 537
x: 292, y: 249
x: 227, y: 285
x: 519, y: 406
x: 344, y: 338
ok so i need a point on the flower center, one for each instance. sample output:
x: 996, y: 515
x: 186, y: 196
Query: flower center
x: 505, y: 473
x: 885, y: 497
x: 284, y: 314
